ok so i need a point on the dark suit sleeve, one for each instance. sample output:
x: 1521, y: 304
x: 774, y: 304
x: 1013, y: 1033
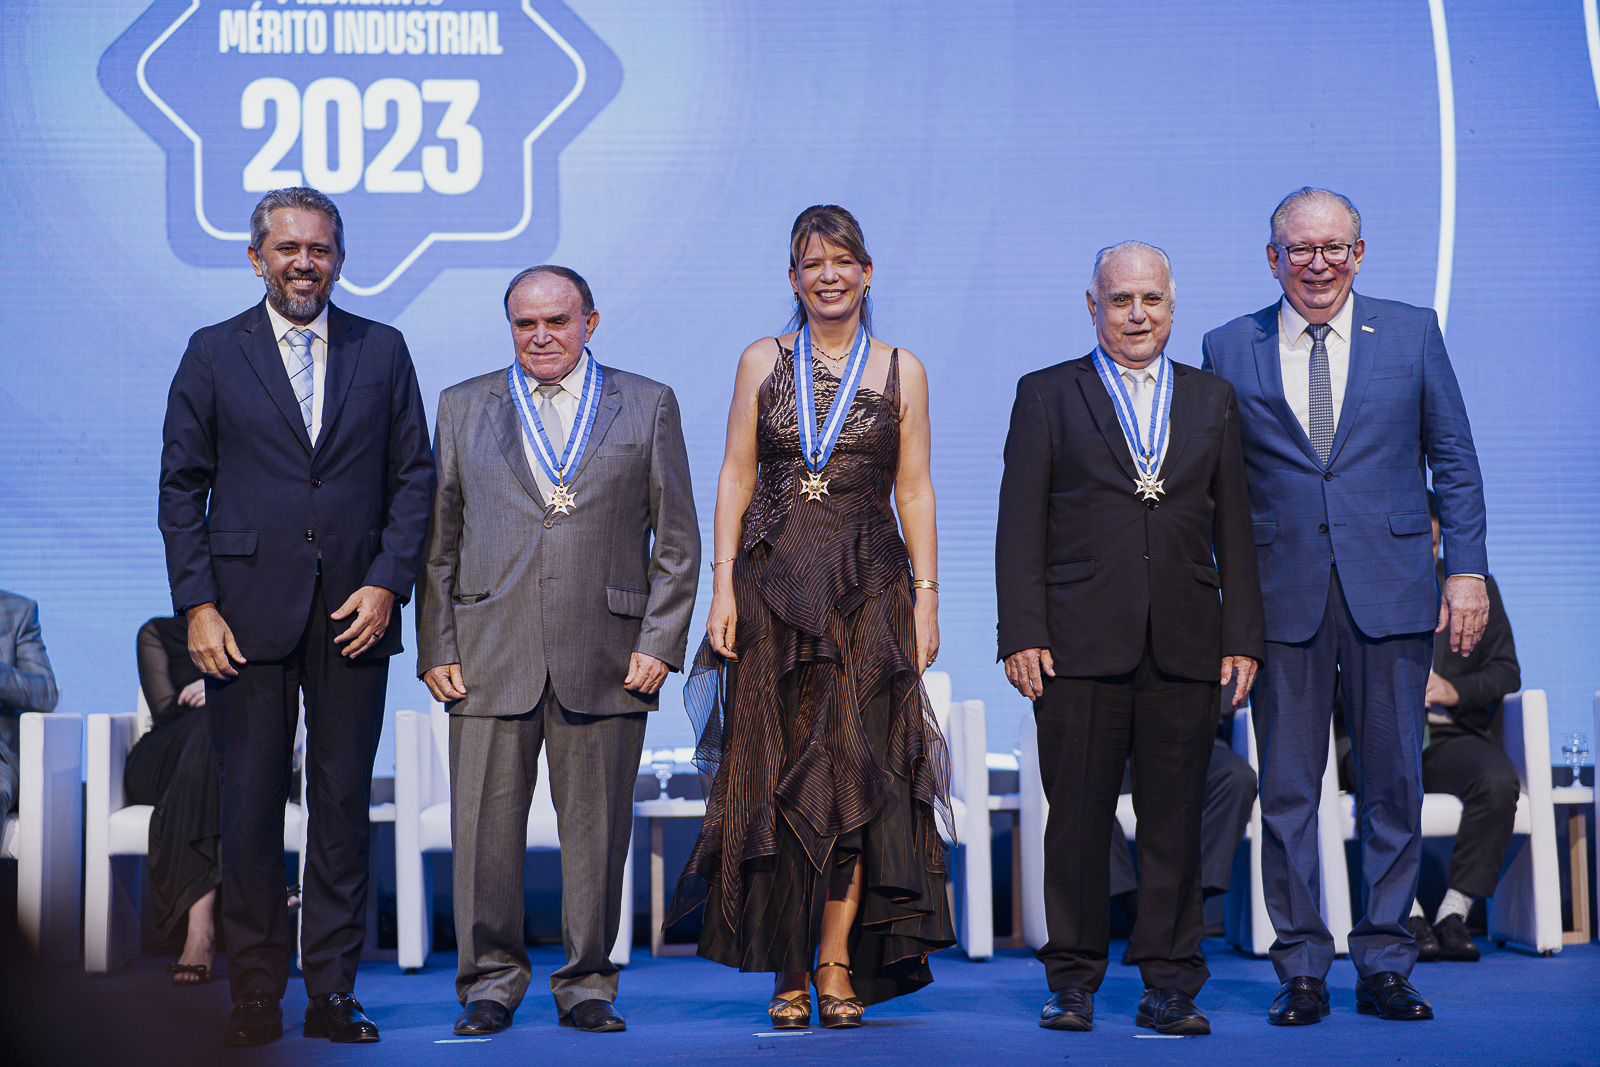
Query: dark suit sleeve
x: 675, y: 554
x: 1020, y: 550
x: 410, y: 484
x: 28, y: 683
x: 1243, y: 626
x: 188, y: 470
x: 1492, y: 671
x: 1447, y: 441
x: 436, y: 620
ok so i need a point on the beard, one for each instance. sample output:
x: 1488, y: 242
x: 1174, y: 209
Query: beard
x: 297, y: 308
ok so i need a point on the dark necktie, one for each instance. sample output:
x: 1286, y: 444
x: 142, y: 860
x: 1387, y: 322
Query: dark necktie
x: 1321, y: 393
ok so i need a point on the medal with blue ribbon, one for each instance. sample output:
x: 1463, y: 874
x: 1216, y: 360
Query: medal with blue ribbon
x: 818, y: 443
x: 1148, y: 451
x: 559, y: 469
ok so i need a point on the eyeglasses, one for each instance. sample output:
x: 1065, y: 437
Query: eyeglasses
x: 1301, y: 255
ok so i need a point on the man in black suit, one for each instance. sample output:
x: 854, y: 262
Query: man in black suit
x: 296, y: 475
x: 1123, y: 513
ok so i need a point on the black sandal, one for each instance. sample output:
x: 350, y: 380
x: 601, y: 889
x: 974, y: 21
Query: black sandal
x: 199, y: 971
x: 839, y: 1013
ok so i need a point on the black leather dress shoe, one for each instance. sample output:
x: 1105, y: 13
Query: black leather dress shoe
x: 594, y: 1017
x: 1068, y: 1009
x: 483, y: 1017
x: 1389, y: 996
x: 1300, y: 1001
x: 1171, y: 1011
x: 1454, y: 943
x: 1427, y: 944
x: 338, y: 1017
x: 256, y: 1020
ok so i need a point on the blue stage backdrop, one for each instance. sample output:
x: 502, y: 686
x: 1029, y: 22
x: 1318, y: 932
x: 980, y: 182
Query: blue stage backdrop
x: 662, y: 148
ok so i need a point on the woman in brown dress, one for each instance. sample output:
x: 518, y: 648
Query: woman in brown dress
x: 819, y: 857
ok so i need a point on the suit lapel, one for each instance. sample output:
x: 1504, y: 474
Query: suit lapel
x: 1105, y: 415
x: 1269, y: 372
x: 508, y: 433
x: 1178, y: 418
x: 1363, y: 349
x: 610, y: 404
x: 261, y: 351
x: 343, y: 352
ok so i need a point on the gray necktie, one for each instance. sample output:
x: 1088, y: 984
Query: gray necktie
x: 552, y: 418
x: 1321, y: 392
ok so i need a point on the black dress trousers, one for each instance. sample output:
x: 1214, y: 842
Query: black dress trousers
x: 1087, y: 728
x: 253, y: 720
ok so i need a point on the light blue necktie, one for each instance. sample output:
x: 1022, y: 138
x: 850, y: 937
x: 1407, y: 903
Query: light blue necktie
x: 1321, y: 392
x: 301, y: 379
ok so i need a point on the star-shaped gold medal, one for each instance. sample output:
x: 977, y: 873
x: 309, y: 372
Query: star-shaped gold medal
x: 815, y: 487
x: 562, y: 500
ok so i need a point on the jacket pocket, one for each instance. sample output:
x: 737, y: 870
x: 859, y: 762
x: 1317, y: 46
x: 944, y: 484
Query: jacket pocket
x: 469, y: 598
x: 1408, y: 523
x: 1207, y: 576
x: 234, y: 542
x: 1264, y: 533
x: 1394, y: 370
x: 375, y: 540
x: 629, y: 602
x: 1073, y: 570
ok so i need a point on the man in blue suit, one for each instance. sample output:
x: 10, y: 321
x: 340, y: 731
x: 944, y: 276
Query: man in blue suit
x: 296, y: 476
x: 1345, y: 403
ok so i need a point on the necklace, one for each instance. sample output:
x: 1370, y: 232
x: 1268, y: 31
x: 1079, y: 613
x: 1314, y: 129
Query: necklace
x: 832, y: 360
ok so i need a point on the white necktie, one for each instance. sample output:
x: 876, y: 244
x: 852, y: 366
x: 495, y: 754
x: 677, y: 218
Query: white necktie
x: 1139, y: 393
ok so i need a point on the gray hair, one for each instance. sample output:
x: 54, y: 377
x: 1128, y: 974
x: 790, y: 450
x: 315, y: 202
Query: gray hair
x: 1106, y: 255
x: 560, y: 272
x: 299, y: 196
x: 1308, y: 195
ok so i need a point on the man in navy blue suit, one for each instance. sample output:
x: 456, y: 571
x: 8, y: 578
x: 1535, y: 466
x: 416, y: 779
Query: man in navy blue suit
x: 1345, y: 403
x: 296, y: 475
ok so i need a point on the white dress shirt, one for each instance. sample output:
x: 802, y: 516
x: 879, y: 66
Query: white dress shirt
x: 319, y: 357
x: 565, y: 402
x: 1294, y: 358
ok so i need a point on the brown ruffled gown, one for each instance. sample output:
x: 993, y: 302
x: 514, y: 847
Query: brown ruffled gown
x: 819, y: 742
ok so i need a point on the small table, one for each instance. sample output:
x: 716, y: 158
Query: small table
x: 1577, y: 797
x: 654, y: 811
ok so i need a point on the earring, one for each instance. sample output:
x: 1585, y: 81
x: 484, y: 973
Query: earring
x: 797, y: 296
x: 867, y: 291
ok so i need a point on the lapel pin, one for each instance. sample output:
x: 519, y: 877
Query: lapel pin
x: 1368, y: 329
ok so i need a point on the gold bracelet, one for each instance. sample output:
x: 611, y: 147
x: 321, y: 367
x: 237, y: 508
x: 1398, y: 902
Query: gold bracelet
x: 925, y: 583
x: 720, y: 562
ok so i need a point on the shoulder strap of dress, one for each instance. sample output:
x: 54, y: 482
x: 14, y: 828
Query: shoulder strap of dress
x: 891, y: 388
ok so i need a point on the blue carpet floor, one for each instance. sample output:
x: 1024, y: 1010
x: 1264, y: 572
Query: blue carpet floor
x: 1508, y: 1009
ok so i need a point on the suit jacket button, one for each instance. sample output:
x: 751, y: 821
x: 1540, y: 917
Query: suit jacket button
x: 1323, y: 528
x: 548, y: 523
x: 311, y: 535
x: 1327, y: 476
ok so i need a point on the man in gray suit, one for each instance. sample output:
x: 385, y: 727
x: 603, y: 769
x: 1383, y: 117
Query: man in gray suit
x: 26, y: 684
x: 547, y: 615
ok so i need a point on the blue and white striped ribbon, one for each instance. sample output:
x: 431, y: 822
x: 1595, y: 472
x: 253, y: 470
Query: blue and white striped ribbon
x: 557, y: 469
x: 818, y: 444
x: 1148, y: 460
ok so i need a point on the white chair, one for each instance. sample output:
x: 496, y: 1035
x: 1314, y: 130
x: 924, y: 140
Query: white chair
x: 117, y: 834
x: 422, y: 825
x: 1526, y: 906
x: 45, y: 837
x: 1247, y: 925
x: 965, y: 733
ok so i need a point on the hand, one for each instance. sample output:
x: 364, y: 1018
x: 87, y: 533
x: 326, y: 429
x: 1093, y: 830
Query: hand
x: 211, y: 643
x: 371, y: 605
x: 645, y: 674
x: 1464, y: 608
x: 193, y: 695
x: 926, y: 620
x: 722, y: 624
x: 445, y: 683
x: 1441, y: 692
x: 1245, y: 668
x: 1027, y: 669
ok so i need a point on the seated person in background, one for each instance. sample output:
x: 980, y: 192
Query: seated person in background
x: 1224, y: 817
x: 26, y: 684
x: 173, y: 769
x: 1463, y: 755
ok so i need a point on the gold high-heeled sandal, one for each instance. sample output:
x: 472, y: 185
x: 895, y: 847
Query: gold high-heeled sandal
x: 838, y: 1013
x: 790, y: 1013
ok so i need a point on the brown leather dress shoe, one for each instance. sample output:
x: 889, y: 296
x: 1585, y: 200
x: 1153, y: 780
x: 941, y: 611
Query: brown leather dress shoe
x: 256, y: 1020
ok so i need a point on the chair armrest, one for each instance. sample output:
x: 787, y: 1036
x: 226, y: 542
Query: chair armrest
x: 1526, y: 728
x: 111, y: 738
